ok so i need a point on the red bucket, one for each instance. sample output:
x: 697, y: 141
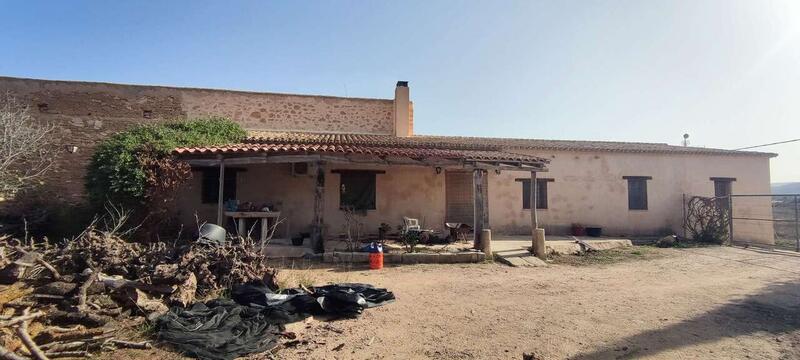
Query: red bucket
x: 376, y: 261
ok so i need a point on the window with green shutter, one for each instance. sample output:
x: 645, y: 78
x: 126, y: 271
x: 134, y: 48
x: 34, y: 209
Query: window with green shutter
x: 637, y: 192
x: 541, y: 193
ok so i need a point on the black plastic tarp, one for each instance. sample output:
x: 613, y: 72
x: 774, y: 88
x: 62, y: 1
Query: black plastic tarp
x: 338, y: 300
x: 252, y: 321
x: 219, y: 329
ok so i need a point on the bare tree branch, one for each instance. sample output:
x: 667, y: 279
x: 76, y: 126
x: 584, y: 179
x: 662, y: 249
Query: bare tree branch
x: 27, y: 150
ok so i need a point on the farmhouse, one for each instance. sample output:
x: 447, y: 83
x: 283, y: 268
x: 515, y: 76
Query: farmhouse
x: 309, y: 157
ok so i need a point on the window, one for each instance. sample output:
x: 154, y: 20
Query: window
x: 723, y: 187
x: 357, y: 190
x: 637, y: 192
x: 541, y: 193
x: 210, y: 185
x: 300, y: 168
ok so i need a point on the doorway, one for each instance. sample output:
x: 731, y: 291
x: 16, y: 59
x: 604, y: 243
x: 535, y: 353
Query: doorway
x: 459, y: 197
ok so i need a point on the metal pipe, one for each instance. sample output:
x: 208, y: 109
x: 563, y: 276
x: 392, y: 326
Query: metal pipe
x: 756, y: 195
x: 759, y: 219
x: 730, y: 219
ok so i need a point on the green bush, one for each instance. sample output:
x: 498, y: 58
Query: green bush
x: 116, y: 173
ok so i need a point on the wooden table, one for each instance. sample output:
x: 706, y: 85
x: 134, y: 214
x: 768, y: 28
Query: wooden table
x: 267, y: 230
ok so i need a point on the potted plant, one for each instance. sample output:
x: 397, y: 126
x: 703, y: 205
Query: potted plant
x: 383, y: 230
x: 299, y: 239
x: 410, y: 239
x: 578, y: 230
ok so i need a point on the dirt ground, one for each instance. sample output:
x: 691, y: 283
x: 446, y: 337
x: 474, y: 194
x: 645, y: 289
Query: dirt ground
x: 716, y: 302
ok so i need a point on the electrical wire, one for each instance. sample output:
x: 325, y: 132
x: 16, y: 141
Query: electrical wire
x: 775, y: 143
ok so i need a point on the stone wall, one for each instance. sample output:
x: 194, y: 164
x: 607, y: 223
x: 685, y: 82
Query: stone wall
x: 85, y: 113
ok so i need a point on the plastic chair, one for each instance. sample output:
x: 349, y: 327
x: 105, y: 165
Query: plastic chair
x: 410, y: 224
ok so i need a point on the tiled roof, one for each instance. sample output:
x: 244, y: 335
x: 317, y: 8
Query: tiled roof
x: 380, y: 145
x: 448, y: 147
x: 258, y: 137
x: 488, y: 143
x: 578, y: 145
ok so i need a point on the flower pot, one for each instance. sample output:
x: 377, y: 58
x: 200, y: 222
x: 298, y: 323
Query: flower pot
x: 578, y: 230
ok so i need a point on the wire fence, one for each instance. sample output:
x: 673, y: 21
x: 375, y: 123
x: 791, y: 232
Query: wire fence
x: 756, y: 219
x: 759, y: 217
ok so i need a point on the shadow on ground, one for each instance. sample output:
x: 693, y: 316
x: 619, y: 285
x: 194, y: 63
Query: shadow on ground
x: 773, y: 311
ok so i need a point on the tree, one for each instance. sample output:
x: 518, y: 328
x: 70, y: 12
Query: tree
x: 27, y: 149
x: 135, y: 169
x: 125, y: 167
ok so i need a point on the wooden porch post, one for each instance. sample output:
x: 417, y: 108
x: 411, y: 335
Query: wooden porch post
x: 534, y: 217
x: 481, y: 209
x: 319, y: 207
x: 220, y: 191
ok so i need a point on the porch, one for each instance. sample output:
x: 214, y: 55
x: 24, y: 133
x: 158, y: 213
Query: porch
x: 310, y: 181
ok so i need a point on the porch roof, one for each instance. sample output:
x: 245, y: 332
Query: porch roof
x: 380, y: 149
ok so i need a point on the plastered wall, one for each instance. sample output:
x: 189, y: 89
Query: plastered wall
x: 589, y: 189
x: 412, y: 191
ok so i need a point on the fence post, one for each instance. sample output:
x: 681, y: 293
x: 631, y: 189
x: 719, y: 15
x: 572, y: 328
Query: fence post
x: 796, y: 225
x: 684, y: 216
x: 730, y: 219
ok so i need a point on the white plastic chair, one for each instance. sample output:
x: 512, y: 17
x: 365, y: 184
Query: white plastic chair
x: 410, y: 224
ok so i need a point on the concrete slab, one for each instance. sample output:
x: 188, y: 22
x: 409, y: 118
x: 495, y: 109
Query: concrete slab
x: 518, y: 258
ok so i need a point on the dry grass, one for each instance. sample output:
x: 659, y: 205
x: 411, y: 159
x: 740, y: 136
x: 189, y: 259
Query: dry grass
x: 606, y: 257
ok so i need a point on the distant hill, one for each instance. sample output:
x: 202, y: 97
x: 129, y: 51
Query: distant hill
x: 786, y: 188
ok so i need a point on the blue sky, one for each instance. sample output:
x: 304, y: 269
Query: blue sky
x: 726, y: 72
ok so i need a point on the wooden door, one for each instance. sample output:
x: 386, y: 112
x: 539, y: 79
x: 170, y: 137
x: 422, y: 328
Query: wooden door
x: 459, y: 197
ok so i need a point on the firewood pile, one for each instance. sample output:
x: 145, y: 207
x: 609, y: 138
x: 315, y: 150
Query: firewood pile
x: 68, y: 299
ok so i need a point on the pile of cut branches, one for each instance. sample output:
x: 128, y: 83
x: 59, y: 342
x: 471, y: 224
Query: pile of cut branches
x: 86, y: 282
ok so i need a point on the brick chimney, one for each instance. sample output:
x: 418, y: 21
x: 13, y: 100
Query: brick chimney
x: 403, y: 111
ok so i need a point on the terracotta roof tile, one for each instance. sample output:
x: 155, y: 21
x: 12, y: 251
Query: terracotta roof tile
x: 257, y: 137
x: 488, y: 143
x: 379, y: 148
x: 427, y: 146
x: 579, y: 145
